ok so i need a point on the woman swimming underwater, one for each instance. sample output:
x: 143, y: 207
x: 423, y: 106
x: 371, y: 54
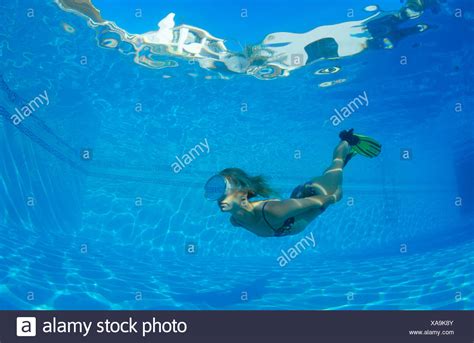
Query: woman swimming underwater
x: 232, y: 188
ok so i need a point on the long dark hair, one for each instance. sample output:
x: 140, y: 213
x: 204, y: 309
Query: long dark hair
x: 253, y: 185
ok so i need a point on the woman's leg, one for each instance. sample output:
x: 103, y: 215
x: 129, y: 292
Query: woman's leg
x: 331, y: 180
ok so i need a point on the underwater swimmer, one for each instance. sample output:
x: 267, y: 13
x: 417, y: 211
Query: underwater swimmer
x: 233, y: 188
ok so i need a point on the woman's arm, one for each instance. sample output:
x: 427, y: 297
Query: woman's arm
x: 293, y: 207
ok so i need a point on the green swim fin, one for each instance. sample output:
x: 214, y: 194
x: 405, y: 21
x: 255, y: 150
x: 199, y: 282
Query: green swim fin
x: 363, y: 145
x: 367, y: 146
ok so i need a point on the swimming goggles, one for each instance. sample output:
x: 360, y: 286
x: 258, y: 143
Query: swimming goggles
x: 217, y: 187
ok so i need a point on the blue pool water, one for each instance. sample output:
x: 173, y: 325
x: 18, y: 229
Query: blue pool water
x: 114, y: 231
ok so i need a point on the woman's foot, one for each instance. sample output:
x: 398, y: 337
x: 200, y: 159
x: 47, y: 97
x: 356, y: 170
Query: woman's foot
x: 349, y: 137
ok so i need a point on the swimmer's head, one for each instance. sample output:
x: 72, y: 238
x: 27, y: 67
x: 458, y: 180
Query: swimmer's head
x: 233, y: 187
